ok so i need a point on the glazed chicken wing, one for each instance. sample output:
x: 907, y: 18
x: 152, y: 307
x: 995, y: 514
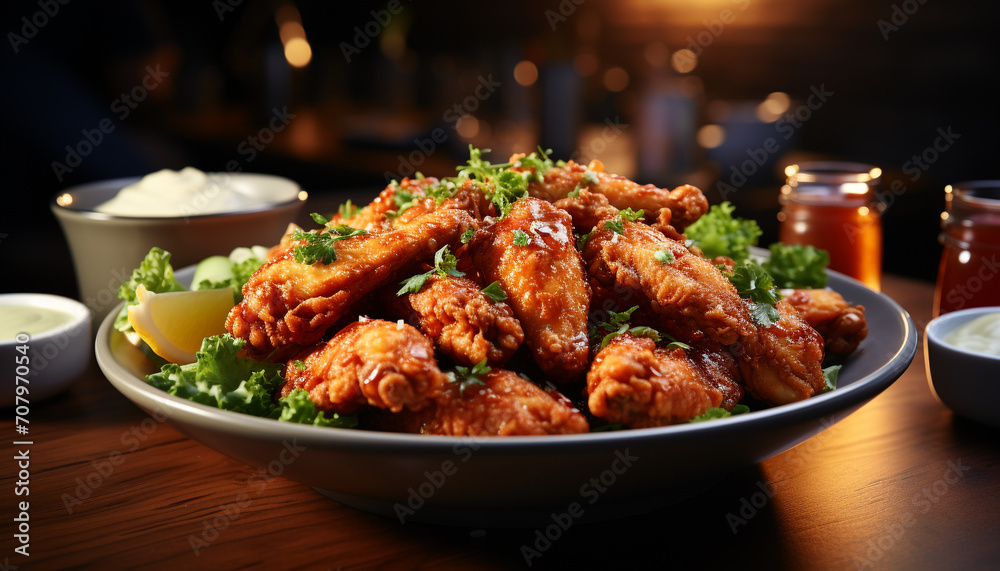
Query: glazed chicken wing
x: 637, y: 384
x: 290, y: 303
x: 375, y: 362
x: 685, y: 203
x: 842, y: 325
x: 503, y: 405
x: 688, y: 289
x: 780, y: 363
x: 531, y: 253
x: 463, y: 322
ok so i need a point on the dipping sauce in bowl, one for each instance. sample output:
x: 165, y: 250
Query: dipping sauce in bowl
x: 31, y: 320
x: 981, y: 335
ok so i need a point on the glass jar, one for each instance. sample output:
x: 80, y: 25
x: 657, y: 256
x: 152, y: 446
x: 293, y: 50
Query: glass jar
x: 832, y: 205
x: 970, y: 234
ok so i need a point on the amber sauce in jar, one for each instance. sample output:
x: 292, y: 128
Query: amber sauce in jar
x: 832, y: 206
x: 969, y: 272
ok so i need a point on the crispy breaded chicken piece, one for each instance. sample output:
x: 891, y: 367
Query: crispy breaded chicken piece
x: 782, y: 363
x: 842, y: 325
x: 504, y: 405
x: 289, y: 303
x: 637, y: 384
x: 688, y: 290
x: 544, y: 281
x: 685, y: 203
x: 779, y: 364
x: 462, y: 321
x: 375, y: 362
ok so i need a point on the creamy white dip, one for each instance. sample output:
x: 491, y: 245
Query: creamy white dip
x: 981, y: 335
x: 188, y: 192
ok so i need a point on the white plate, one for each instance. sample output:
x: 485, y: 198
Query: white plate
x: 523, y: 481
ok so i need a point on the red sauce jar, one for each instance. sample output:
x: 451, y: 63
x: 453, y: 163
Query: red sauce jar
x: 969, y: 273
x: 831, y: 205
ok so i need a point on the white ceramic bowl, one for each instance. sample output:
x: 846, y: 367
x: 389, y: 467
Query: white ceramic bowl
x: 105, y: 248
x: 964, y: 381
x: 523, y: 481
x: 44, y: 363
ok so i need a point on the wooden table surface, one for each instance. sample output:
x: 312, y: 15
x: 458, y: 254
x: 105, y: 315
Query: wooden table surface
x: 900, y: 484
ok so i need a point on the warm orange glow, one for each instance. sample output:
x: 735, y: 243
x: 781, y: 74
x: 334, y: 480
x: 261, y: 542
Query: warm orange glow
x: 525, y: 73
x: 586, y: 64
x: 711, y: 136
x: 291, y: 29
x: 467, y: 126
x: 298, y: 52
x: 684, y: 61
x: 303, y: 195
x: 616, y: 79
x: 64, y: 199
x: 656, y: 54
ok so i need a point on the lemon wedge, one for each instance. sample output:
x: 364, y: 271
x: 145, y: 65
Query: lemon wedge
x: 174, y: 324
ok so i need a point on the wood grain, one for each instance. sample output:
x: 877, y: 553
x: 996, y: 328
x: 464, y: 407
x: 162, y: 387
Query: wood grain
x: 112, y: 488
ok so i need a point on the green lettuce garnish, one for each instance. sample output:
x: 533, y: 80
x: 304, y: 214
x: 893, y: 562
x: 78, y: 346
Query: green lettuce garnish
x: 719, y: 233
x: 719, y: 412
x: 154, y: 272
x: 797, y: 266
x: 221, y: 378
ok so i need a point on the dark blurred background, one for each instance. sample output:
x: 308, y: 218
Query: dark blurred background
x: 343, y: 97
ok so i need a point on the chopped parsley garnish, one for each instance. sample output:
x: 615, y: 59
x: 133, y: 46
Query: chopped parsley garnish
x: 719, y: 233
x: 495, y: 292
x: 754, y: 283
x: 589, y: 178
x: 319, y: 245
x: 664, y: 256
x: 503, y: 186
x: 469, y: 376
x: 521, y: 238
x: 445, y: 264
x: 618, y: 323
x: 299, y: 364
x: 467, y: 235
x: 404, y: 200
x: 797, y: 266
x: 617, y: 224
x: 581, y: 240
x: 719, y: 412
x: 347, y: 210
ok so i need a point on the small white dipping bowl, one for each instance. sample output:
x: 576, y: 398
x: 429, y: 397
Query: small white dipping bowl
x: 105, y: 247
x: 46, y: 362
x: 964, y: 381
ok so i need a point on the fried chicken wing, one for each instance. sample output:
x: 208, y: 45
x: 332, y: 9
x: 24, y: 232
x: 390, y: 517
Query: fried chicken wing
x: 782, y: 363
x: 843, y: 326
x: 779, y: 364
x: 504, y: 405
x: 375, y: 362
x: 531, y: 253
x: 289, y: 303
x: 462, y: 321
x: 688, y: 290
x: 636, y: 383
x: 685, y: 203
